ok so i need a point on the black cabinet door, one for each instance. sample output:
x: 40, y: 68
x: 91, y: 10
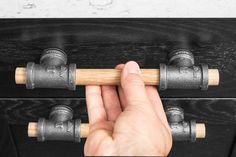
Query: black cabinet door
x: 104, y: 43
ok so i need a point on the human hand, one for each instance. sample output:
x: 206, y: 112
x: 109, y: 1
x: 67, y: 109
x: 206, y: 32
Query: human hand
x: 131, y: 121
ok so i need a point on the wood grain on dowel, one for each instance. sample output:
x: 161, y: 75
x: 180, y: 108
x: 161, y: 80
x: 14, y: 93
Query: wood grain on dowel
x: 112, y: 76
x: 84, y: 130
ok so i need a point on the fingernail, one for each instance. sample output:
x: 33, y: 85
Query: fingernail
x: 133, y: 68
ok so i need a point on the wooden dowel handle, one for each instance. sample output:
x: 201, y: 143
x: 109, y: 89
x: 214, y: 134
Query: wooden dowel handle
x: 84, y: 130
x: 112, y: 76
x: 33, y: 129
x: 20, y: 75
x: 213, y: 77
x: 200, y: 130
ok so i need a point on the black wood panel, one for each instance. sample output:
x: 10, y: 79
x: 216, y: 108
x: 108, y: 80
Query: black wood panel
x: 217, y: 144
x: 7, y: 144
x: 103, y: 43
x: 30, y: 147
x: 21, y: 111
x: 219, y: 116
x: 210, y: 111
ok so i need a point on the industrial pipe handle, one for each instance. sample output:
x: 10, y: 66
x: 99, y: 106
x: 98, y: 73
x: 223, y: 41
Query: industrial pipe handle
x: 53, y: 72
x: 112, y: 76
x: 61, y: 126
x: 84, y: 130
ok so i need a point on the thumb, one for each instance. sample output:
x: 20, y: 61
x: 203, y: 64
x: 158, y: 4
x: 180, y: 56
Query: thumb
x: 133, y: 85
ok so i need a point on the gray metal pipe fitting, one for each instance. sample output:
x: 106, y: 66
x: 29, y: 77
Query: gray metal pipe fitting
x: 60, y: 126
x: 181, y: 130
x: 52, y: 72
x: 181, y: 73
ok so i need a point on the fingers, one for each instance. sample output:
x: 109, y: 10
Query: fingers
x: 95, y: 108
x: 120, y: 90
x: 120, y: 66
x: 122, y: 98
x: 156, y: 103
x: 133, y: 85
x: 153, y: 96
x: 111, y: 102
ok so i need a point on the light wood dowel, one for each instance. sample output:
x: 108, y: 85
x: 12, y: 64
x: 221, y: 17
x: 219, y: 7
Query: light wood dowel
x: 112, y: 76
x: 20, y: 75
x: 200, y: 130
x: 84, y: 130
x: 33, y: 129
x: 214, y: 77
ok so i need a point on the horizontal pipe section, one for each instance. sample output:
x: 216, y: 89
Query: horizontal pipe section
x: 84, y: 130
x: 112, y: 76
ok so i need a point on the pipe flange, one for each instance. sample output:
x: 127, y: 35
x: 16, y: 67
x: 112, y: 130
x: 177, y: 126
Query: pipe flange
x: 41, y: 129
x: 77, y: 124
x: 72, y: 77
x: 192, y: 130
x: 30, y: 75
x: 163, y: 77
x: 205, y: 77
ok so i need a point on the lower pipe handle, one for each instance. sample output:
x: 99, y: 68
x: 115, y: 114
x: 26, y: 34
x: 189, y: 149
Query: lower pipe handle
x: 33, y: 129
x: 84, y: 130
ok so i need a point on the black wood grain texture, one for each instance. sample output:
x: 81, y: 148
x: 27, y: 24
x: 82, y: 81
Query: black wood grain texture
x: 7, y: 143
x: 217, y: 144
x: 104, y: 43
x: 31, y: 147
x: 23, y: 110
x: 218, y: 115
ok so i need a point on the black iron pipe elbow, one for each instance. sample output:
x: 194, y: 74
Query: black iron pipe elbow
x: 181, y: 73
x: 52, y: 72
x: 60, y: 126
x: 181, y: 130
